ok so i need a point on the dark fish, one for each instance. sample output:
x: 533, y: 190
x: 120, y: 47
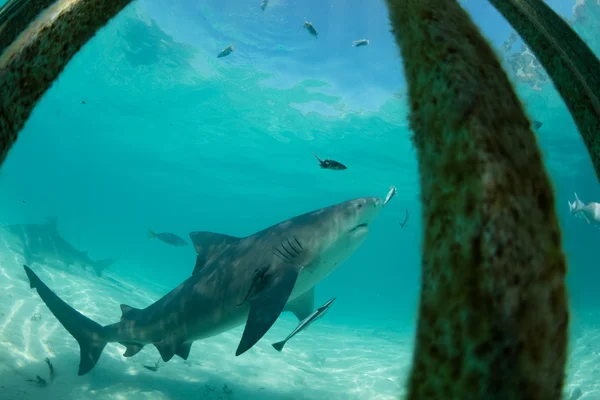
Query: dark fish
x: 226, y: 51
x: 405, y: 220
x: 537, y: 124
x: 264, y: 4
x: 311, y: 29
x: 330, y: 164
x: 152, y: 368
x: 50, y: 368
x: 302, y: 325
x: 38, y: 381
x: 168, y: 238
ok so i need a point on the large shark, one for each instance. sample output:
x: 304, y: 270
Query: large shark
x: 42, y: 243
x: 250, y: 279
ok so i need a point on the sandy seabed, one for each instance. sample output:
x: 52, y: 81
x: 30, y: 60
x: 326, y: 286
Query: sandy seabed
x: 325, y: 362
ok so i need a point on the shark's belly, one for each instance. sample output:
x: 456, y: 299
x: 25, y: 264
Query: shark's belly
x: 215, y: 325
x: 328, y: 262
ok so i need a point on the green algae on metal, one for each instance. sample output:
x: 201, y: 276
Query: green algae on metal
x: 493, y: 314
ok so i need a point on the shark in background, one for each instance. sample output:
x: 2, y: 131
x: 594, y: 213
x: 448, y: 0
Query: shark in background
x: 42, y: 243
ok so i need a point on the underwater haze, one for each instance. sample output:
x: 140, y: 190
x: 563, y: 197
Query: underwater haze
x: 148, y: 129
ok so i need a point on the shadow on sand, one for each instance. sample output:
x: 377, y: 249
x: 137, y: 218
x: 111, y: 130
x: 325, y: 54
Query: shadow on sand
x: 112, y: 379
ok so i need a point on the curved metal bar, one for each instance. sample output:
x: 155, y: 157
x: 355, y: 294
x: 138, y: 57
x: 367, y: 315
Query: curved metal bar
x: 572, y: 66
x: 38, y: 54
x: 15, y: 15
x: 493, y: 312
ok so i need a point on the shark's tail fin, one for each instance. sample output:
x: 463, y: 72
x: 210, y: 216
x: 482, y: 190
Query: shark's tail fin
x: 87, y: 332
x: 151, y: 234
x: 101, y: 265
x: 279, y: 345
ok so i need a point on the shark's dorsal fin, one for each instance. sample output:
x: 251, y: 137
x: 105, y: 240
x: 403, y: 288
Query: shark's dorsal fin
x: 302, y: 306
x: 129, y: 312
x: 209, y: 246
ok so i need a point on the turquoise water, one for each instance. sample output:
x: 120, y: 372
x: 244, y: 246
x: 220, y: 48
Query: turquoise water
x: 147, y: 128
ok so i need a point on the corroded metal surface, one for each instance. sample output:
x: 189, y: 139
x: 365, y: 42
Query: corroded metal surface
x: 493, y: 313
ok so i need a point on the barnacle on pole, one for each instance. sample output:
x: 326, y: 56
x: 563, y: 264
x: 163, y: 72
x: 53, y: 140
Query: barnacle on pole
x: 493, y: 313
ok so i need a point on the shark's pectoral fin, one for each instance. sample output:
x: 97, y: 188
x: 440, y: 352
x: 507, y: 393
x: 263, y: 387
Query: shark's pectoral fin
x: 302, y: 306
x: 267, y: 305
x: 129, y: 312
x: 209, y: 246
x: 132, y: 349
x: 184, y: 350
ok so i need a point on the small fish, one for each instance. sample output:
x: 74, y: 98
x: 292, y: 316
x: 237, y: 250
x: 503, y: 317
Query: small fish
x: 310, y: 28
x: 590, y: 211
x: 264, y: 4
x: 537, y: 125
x: 38, y: 381
x: 360, y: 43
x: 405, y: 220
x: 330, y: 164
x: 51, y: 368
x: 226, y: 51
x: 390, y: 194
x: 302, y: 325
x: 168, y: 238
x: 152, y: 368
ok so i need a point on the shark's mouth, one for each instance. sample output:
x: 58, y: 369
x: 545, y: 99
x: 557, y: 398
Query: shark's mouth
x: 358, y: 227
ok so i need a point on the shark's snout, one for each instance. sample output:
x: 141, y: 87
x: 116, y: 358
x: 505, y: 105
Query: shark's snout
x: 367, y: 209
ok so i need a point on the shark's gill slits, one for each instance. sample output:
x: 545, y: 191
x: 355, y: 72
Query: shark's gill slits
x: 288, y: 253
x: 292, y: 247
x: 296, y: 239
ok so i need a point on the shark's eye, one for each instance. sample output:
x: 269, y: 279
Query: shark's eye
x: 359, y: 206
